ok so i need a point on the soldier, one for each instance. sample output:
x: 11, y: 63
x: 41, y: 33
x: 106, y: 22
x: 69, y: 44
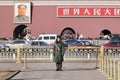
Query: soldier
x: 58, y: 53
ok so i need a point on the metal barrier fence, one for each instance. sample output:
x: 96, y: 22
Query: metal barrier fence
x: 32, y: 53
x: 82, y: 53
x: 110, y: 65
x: 47, y: 53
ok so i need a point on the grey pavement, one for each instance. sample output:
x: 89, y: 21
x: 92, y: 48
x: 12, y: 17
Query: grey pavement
x: 46, y: 71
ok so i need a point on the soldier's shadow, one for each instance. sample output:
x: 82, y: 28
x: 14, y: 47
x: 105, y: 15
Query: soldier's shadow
x: 64, y: 69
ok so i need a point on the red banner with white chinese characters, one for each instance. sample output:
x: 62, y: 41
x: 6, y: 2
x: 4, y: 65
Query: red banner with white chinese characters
x: 87, y: 12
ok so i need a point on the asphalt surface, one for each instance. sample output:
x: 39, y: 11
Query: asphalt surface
x: 46, y: 71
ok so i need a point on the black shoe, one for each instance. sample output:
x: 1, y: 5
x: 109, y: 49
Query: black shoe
x: 57, y: 69
x: 60, y: 70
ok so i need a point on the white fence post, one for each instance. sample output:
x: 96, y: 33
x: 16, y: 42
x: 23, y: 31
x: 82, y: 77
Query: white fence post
x: 14, y: 57
x: 88, y: 56
x: 51, y: 54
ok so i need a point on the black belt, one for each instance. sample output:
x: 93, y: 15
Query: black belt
x: 57, y: 49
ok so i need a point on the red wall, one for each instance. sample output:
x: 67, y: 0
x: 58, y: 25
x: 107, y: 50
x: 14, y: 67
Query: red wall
x: 45, y: 20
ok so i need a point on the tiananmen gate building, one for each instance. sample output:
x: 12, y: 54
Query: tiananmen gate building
x: 88, y: 18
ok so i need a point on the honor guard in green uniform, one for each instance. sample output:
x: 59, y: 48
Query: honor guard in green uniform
x: 58, y: 53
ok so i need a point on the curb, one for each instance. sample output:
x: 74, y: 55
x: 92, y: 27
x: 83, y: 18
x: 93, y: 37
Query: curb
x: 11, y: 76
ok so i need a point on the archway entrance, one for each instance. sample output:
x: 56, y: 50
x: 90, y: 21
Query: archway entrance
x: 105, y: 33
x: 20, y: 32
x: 68, y: 33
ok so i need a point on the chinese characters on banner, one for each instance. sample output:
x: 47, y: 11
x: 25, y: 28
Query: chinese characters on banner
x: 88, y: 12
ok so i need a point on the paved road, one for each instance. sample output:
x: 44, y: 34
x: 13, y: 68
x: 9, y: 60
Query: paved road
x: 46, y: 71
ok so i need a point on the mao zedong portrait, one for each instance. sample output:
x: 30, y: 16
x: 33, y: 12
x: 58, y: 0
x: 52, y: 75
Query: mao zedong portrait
x: 22, y: 17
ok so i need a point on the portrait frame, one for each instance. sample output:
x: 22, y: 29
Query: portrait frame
x: 27, y: 17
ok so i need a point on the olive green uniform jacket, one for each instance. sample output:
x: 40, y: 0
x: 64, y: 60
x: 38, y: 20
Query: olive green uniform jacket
x: 58, y: 54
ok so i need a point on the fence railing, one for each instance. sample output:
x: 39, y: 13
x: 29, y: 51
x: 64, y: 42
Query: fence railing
x: 46, y: 53
x: 88, y: 53
x: 32, y: 53
x: 110, y: 65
